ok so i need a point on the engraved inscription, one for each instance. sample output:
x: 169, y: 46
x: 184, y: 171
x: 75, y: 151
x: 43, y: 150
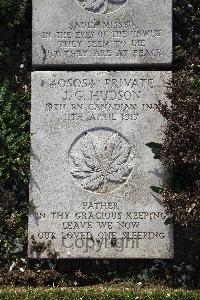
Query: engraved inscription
x: 101, y: 6
x: 115, y: 229
x: 101, y: 160
x: 81, y: 99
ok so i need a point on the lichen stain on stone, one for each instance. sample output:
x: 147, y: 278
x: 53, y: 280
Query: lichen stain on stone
x: 44, y: 54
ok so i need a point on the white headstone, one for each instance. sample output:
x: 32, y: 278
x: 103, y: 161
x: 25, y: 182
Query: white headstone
x: 102, y: 32
x: 91, y: 170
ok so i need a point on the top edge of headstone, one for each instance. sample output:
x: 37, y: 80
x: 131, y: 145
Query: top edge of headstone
x: 101, y: 33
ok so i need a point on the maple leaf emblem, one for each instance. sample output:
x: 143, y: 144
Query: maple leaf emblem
x: 102, y: 6
x: 101, y: 161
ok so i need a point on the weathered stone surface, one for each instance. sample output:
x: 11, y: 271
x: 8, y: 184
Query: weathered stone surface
x: 91, y: 169
x: 79, y: 32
